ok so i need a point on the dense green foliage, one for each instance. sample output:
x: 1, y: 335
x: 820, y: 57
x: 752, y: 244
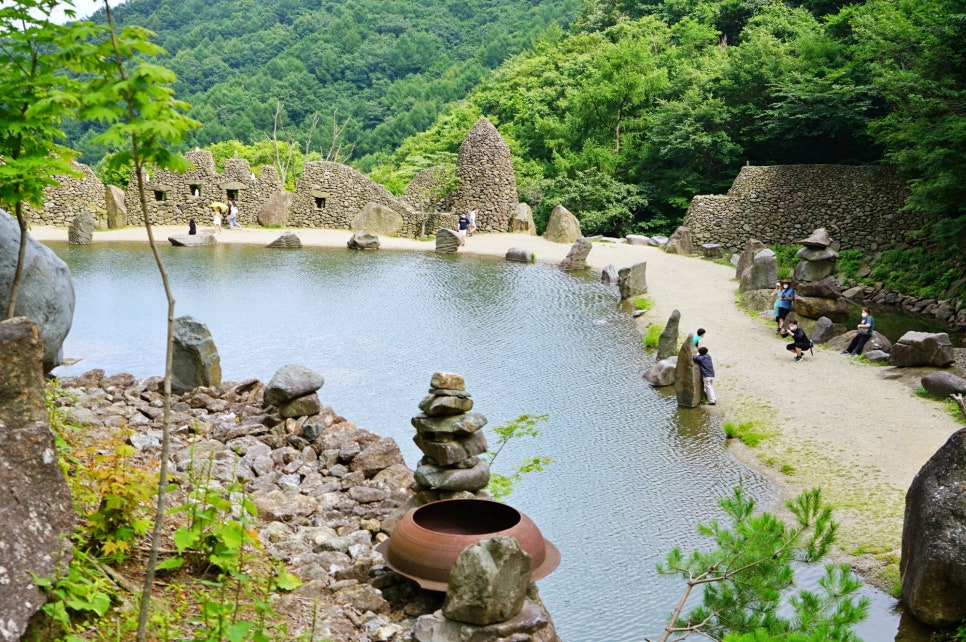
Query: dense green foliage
x: 381, y: 69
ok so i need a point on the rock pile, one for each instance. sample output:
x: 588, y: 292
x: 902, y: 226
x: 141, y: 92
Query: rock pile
x: 485, y: 178
x: 817, y: 258
x: 450, y: 436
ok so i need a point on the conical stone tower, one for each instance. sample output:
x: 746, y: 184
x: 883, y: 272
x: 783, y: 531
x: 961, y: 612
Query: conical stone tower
x: 485, y: 178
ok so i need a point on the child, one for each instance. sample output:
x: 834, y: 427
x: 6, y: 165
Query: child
x: 703, y: 359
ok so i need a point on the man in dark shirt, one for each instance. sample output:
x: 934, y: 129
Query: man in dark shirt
x: 703, y: 359
x: 800, y: 340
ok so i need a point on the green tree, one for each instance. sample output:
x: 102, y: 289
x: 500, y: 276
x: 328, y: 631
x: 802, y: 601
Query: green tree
x: 745, y: 578
x: 36, y: 97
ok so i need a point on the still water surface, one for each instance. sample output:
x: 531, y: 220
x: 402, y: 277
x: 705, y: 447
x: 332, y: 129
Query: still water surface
x: 632, y: 475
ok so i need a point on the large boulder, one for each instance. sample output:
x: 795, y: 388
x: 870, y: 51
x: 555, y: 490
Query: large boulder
x: 81, y: 230
x: 752, y: 247
x: 667, y: 342
x: 827, y: 288
x: 275, y: 211
x: 761, y: 274
x: 488, y: 582
x: 609, y: 275
x: 563, y: 227
x: 816, y: 254
x: 933, y: 563
x: 377, y: 219
x: 46, y: 292
x: 363, y: 241
x: 825, y: 329
x: 287, y: 241
x: 681, y: 242
x: 36, y: 510
x: 447, y: 241
x: 576, y: 258
x: 687, y: 376
x: 943, y: 384
x: 195, y: 360
x: 879, y: 342
x: 814, y: 307
x: 712, y: 251
x: 520, y: 255
x: 922, y: 349
x: 521, y: 222
x: 116, y: 209
x: 632, y: 280
x: 814, y: 270
x: 662, y: 373
x: 291, y: 382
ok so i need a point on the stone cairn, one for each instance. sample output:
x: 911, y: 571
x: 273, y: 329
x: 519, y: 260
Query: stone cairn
x: 818, y: 294
x: 450, y: 437
x: 817, y: 258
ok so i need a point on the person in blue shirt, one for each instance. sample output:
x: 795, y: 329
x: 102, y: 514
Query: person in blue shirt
x: 699, y: 337
x: 464, y: 223
x: 705, y: 365
x: 785, y: 299
x: 865, y: 329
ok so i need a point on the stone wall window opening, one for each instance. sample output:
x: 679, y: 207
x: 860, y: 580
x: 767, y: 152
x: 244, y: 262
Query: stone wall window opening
x: 195, y: 190
x: 232, y: 194
x: 320, y: 202
x: 160, y: 196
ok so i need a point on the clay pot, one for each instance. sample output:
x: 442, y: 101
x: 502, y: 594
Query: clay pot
x: 425, y: 543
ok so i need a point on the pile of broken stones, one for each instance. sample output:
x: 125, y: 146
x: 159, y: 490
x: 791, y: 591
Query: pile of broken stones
x: 326, y: 490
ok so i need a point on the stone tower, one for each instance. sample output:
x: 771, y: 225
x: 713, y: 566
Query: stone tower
x: 485, y: 178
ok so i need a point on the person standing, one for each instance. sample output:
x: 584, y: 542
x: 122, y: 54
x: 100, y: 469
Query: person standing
x: 800, y: 340
x: 777, y: 294
x: 464, y: 223
x: 216, y: 219
x: 785, y: 299
x: 232, y: 214
x: 192, y: 227
x: 706, y: 366
x: 865, y: 329
x: 471, y: 226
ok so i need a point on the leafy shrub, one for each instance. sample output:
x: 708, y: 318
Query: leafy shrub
x: 786, y: 259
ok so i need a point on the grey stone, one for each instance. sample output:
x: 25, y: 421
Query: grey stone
x: 287, y: 241
x: 290, y: 382
x: 488, y: 582
x: 304, y: 406
x: 445, y: 405
x: 632, y: 280
x: 81, y: 230
x: 687, y: 377
x: 825, y: 329
x: 522, y: 220
x: 576, y: 258
x: 195, y: 360
x: 609, y: 275
x: 46, y: 292
x: 440, y: 478
x: 376, y: 457
x: 562, y: 227
x: 681, y: 242
x: 762, y: 273
x: 447, y: 241
x: 943, y: 384
x: 712, y: 251
x: 193, y: 240
x: 875, y: 356
x: 275, y: 211
x: 668, y: 341
x: 531, y: 624
x: 659, y: 241
x: 827, y: 288
x: 818, y: 239
x: 377, y: 219
x: 922, y: 349
x: 451, y: 451
x: 447, y: 381
x: 662, y: 373
x: 752, y: 247
x: 520, y: 255
x: 814, y: 270
x: 638, y: 239
x: 816, y: 254
x: 116, y: 210
x: 36, y: 509
x: 363, y: 241
x: 933, y: 563
x: 814, y: 307
x: 456, y: 425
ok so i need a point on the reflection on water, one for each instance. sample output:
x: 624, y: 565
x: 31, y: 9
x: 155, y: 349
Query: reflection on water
x: 632, y: 476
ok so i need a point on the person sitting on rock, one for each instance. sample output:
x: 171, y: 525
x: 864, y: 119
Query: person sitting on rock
x: 864, y: 332
x: 800, y: 340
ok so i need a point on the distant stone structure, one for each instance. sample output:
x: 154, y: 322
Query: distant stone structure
x: 74, y: 196
x: 858, y: 205
x: 485, y: 178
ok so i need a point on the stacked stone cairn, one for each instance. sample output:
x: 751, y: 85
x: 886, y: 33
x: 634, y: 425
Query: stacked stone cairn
x: 818, y: 293
x: 450, y: 437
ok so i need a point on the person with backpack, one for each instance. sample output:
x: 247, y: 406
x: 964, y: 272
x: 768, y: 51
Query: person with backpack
x: 800, y: 340
x: 706, y: 366
x: 865, y: 330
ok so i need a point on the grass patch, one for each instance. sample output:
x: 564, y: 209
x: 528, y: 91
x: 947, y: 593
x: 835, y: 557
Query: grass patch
x: 951, y: 406
x: 787, y: 469
x: 747, y: 432
x: 652, y: 336
x: 643, y: 303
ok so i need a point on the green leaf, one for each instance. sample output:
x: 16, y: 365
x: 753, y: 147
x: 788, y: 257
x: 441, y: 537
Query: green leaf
x: 170, y: 563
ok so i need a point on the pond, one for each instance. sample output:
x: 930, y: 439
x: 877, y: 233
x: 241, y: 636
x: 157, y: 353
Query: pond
x: 632, y: 473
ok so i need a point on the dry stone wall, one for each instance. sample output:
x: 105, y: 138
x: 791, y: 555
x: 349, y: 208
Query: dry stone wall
x: 73, y: 196
x: 329, y: 195
x: 175, y: 198
x: 485, y: 178
x: 858, y: 205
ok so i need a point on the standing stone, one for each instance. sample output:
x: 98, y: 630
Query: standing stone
x: 291, y: 382
x: 377, y: 219
x: 563, y: 227
x: 609, y: 275
x: 195, y: 360
x: 275, y: 211
x: 680, y: 242
x: 364, y: 241
x: 488, y: 582
x: 576, y: 258
x: 522, y: 220
x: 668, y: 341
x: 46, y: 293
x: 752, y: 247
x: 632, y: 280
x: 81, y: 230
x: 447, y: 241
x: 485, y: 178
x: 687, y: 376
x: 761, y: 274
x: 116, y: 209
x: 933, y: 563
x: 36, y: 509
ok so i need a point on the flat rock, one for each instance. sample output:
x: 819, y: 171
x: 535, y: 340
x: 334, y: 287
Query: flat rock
x: 193, y: 240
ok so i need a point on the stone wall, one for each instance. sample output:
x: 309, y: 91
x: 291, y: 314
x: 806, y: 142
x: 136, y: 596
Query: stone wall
x: 73, y: 196
x: 175, y: 198
x: 329, y: 195
x: 485, y: 178
x: 858, y: 205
